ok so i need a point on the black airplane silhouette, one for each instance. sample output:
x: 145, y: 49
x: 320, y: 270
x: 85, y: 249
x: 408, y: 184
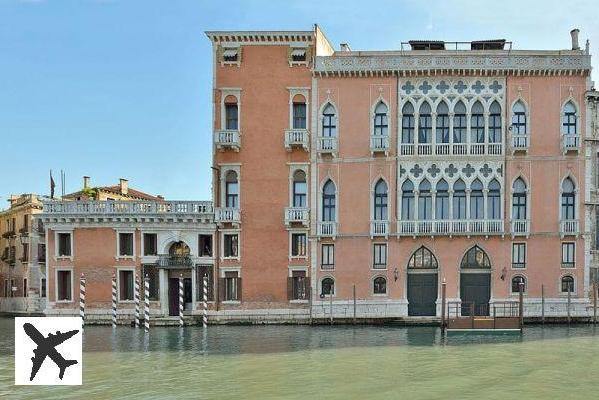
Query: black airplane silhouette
x: 46, y: 347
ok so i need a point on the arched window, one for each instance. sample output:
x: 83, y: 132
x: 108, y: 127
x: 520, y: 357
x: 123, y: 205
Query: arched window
x: 329, y: 121
x: 519, y: 125
x: 231, y: 113
x: 442, y: 200
x: 425, y: 125
x: 495, y: 123
x: 328, y: 201
x: 442, y: 127
x: 381, y: 125
x: 519, y: 200
x: 568, y: 199
x: 516, y: 281
x: 300, y: 189
x: 299, y: 112
x: 475, y: 258
x: 380, y: 201
x: 477, y: 123
x: 494, y: 200
x: 567, y: 284
x: 179, y: 249
x: 459, y: 123
x: 425, y: 205
x: 380, y: 285
x: 327, y: 287
x: 476, y: 200
x: 231, y: 190
x: 423, y: 258
x: 407, y: 123
x: 459, y: 200
x: 569, y: 119
x: 407, y: 201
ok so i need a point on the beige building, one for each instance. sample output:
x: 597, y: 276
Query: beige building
x: 121, y: 191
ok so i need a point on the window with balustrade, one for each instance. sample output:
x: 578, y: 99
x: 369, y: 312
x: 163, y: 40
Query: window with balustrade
x: 329, y: 121
x: 407, y: 201
x: 519, y: 200
x: 459, y: 200
x: 568, y: 254
x: 568, y: 200
x: 494, y: 200
x: 380, y: 201
x: 459, y: 123
x: 495, y: 123
x: 425, y: 202
x: 442, y: 125
x: 569, y: 117
x: 425, y: 125
x: 516, y: 282
x: 407, y: 124
x: 381, y: 124
x: 328, y: 202
x: 379, y: 285
x: 477, y: 123
x: 231, y: 116
x: 231, y: 190
x: 327, y: 256
x: 518, y: 255
x: 300, y: 189
x: 442, y: 200
x: 299, y: 115
x: 519, y: 123
x: 476, y: 200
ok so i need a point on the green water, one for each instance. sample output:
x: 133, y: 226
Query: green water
x: 298, y: 362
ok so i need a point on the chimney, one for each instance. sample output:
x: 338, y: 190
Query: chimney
x: 574, y: 35
x: 13, y: 199
x: 124, y: 185
x: 345, y: 47
x: 85, y: 182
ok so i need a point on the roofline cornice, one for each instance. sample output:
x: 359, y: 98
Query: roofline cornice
x: 260, y: 37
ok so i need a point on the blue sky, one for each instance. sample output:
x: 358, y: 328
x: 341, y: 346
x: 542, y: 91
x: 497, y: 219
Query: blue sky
x: 121, y: 88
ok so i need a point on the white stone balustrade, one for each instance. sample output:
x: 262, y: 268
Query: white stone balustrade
x: 450, y: 227
x: 570, y: 143
x: 520, y: 227
x: 227, y: 215
x: 568, y: 227
x: 444, y: 149
x: 379, y: 228
x: 327, y: 228
x: 327, y: 144
x: 297, y: 215
x: 379, y: 143
x: 109, y: 207
x: 227, y: 139
x: 519, y: 142
x: 299, y: 138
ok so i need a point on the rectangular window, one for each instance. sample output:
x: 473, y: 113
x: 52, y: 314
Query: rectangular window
x: 425, y: 128
x: 231, y: 245
x: 299, y: 116
x: 151, y: 272
x: 459, y: 128
x: 232, y: 286
x: 231, y: 117
x: 25, y: 287
x: 298, y: 286
x: 126, y: 285
x: 442, y: 128
x: 150, y: 244
x: 202, y: 271
x: 205, y: 245
x: 298, y: 244
x: 477, y: 128
x: 568, y: 255
x: 25, y: 228
x: 12, y: 285
x: 494, y: 128
x: 25, y: 256
x: 380, y: 255
x: 6, y: 288
x: 328, y: 256
x: 41, y: 253
x: 63, y: 285
x: 64, y: 245
x: 43, y: 288
x: 518, y: 255
x: 126, y: 244
x: 407, y: 129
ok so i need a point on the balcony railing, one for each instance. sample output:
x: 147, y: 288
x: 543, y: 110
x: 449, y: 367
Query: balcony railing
x: 227, y: 215
x: 570, y: 143
x: 444, y: 149
x: 568, y: 227
x: 174, y: 261
x: 519, y: 143
x: 297, y: 215
x: 127, y: 207
x: 327, y: 144
x: 379, y: 143
x: 298, y: 138
x: 494, y: 149
x: 379, y: 228
x: 424, y: 149
x: 477, y: 149
x: 327, y: 228
x: 227, y: 139
x: 520, y: 227
x: 450, y: 227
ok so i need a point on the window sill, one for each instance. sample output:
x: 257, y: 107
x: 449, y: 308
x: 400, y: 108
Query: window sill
x: 232, y: 302
x: 230, y: 258
x: 63, y: 258
x: 298, y: 257
x: 380, y: 294
x: 381, y: 268
x: 63, y: 301
x: 125, y: 257
x: 127, y: 301
x: 299, y: 301
x: 518, y: 268
x: 568, y: 268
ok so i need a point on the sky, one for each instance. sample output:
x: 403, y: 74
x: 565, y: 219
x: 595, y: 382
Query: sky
x: 122, y: 88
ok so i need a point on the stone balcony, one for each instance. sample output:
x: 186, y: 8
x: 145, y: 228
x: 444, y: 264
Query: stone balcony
x: 446, y: 149
x: 519, y: 143
x: 327, y: 229
x: 227, y: 215
x: 227, y: 139
x: 568, y: 227
x: 327, y: 145
x: 520, y: 227
x: 570, y: 143
x: 379, y: 144
x: 379, y: 228
x: 297, y: 216
x: 450, y: 227
x: 297, y: 138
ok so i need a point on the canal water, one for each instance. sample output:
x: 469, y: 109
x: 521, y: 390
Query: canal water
x: 340, y: 362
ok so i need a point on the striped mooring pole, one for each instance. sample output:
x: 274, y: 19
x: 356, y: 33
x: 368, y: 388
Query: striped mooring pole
x: 147, y: 303
x: 82, y: 299
x: 113, y: 300
x: 205, y: 303
x: 137, y: 302
x: 181, y: 300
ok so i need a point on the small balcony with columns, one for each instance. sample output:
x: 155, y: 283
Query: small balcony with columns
x: 520, y: 227
x: 227, y: 215
x: 327, y: 145
x: 227, y: 139
x: 379, y: 144
x: 297, y: 139
x: 327, y: 229
x: 570, y: 143
x: 379, y: 229
x: 569, y: 227
x: 297, y: 216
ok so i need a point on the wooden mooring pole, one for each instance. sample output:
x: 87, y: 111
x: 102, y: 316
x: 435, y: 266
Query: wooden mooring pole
x: 521, y: 303
x: 114, y: 300
x: 594, y: 302
x: 331, y: 304
x: 354, y: 293
x: 443, y: 302
x: 136, y: 294
x: 569, y: 302
x: 543, y: 304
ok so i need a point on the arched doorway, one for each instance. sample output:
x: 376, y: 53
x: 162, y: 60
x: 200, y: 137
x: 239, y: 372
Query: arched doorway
x: 475, y: 282
x: 179, y: 266
x: 422, y: 283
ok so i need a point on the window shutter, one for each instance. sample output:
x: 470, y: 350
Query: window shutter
x: 239, y: 290
x: 290, y: 288
x: 221, y: 292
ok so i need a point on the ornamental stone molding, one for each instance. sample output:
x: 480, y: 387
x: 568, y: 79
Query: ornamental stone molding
x: 451, y: 171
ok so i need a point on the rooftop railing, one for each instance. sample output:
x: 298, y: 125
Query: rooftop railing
x: 110, y: 207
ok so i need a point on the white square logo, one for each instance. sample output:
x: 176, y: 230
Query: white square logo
x: 48, y: 351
